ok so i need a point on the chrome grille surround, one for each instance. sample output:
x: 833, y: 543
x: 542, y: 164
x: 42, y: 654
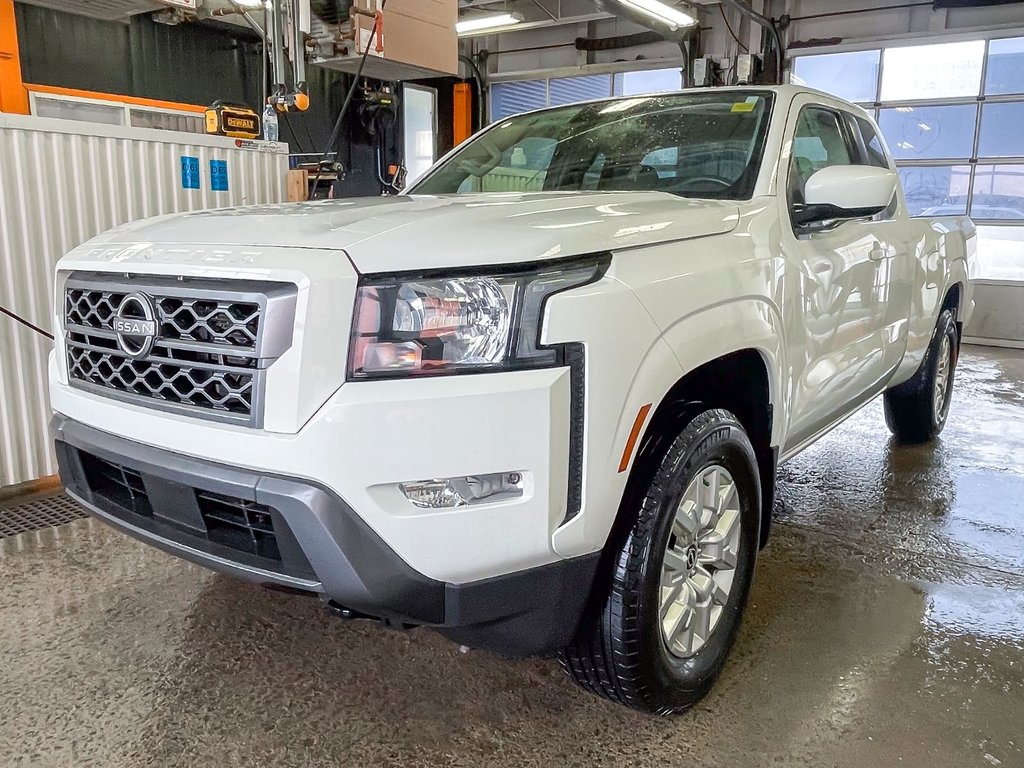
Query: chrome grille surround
x: 214, y: 341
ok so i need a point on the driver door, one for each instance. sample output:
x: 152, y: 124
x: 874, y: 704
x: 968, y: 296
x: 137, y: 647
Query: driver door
x: 837, y: 285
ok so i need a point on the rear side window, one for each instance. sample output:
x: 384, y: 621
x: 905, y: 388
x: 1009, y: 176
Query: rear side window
x: 819, y: 142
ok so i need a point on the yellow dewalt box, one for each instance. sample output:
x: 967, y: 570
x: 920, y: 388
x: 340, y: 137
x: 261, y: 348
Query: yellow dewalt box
x: 237, y: 120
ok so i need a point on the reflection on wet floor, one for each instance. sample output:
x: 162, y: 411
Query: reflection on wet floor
x: 886, y: 627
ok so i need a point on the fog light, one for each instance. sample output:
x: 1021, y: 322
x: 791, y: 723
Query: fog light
x: 461, y: 491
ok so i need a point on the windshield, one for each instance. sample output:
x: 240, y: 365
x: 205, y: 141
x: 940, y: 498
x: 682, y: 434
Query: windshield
x: 706, y: 144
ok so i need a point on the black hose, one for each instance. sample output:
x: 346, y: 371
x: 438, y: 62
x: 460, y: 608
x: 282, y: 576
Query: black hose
x: 619, y: 41
x: 779, y: 52
x: 26, y: 323
x: 478, y: 77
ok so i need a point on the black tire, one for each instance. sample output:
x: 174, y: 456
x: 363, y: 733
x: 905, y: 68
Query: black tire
x: 911, y: 412
x: 620, y: 651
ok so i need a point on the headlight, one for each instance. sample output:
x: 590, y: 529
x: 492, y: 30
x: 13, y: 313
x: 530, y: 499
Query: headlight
x: 433, y: 325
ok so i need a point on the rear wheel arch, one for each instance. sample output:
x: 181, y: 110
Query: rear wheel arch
x: 953, y: 300
x: 954, y: 295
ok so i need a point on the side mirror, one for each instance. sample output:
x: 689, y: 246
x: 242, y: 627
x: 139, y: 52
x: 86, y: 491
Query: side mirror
x: 846, y: 192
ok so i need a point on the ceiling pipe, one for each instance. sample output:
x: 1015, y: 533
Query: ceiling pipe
x: 769, y: 25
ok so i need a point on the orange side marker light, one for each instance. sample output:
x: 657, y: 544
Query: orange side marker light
x: 634, y: 435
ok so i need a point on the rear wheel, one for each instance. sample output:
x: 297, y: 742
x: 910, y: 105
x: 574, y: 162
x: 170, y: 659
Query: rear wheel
x: 667, y: 612
x: 917, y: 410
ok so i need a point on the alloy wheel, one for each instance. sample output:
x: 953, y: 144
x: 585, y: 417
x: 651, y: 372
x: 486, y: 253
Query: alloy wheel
x: 700, y: 559
x: 943, y: 374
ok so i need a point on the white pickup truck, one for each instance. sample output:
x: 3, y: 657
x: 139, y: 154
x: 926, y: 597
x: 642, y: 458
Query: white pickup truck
x: 537, y: 402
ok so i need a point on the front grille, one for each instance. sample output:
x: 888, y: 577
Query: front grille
x: 210, y: 348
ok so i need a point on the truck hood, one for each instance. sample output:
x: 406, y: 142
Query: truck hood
x: 421, y: 232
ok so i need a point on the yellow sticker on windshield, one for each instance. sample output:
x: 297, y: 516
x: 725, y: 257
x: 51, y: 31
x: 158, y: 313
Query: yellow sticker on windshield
x: 743, y: 106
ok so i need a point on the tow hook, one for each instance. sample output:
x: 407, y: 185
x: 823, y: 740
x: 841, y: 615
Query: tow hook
x: 350, y: 614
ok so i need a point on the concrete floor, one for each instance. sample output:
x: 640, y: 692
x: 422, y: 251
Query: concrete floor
x: 886, y: 628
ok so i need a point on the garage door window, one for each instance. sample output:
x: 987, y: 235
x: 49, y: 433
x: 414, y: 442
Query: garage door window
x: 566, y: 90
x: 999, y: 192
x: 852, y: 76
x: 1005, y: 71
x: 1002, y: 130
x: 942, y: 71
x: 919, y: 133
x: 515, y: 96
x: 937, y: 190
x: 648, y: 81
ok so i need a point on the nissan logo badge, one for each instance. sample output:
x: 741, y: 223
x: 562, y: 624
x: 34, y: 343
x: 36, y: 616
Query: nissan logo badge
x: 135, y: 325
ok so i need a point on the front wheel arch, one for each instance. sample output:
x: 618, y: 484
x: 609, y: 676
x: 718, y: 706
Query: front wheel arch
x: 740, y: 383
x: 619, y: 651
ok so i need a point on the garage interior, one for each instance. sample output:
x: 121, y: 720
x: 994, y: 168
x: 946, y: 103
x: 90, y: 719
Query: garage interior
x: 886, y: 622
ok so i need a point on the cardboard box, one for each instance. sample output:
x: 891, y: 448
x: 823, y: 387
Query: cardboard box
x: 422, y: 33
x: 417, y: 33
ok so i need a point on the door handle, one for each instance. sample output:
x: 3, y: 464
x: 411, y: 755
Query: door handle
x: 879, y: 252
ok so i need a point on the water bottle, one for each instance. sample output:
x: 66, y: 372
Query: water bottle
x: 270, y: 127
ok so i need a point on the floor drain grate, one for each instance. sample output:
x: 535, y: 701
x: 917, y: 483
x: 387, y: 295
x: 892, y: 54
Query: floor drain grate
x: 40, y: 513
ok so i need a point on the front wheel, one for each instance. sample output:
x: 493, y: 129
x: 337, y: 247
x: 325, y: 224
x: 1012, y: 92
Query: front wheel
x: 675, y: 587
x: 917, y: 410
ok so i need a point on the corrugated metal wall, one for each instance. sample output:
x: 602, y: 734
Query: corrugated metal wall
x: 62, y: 182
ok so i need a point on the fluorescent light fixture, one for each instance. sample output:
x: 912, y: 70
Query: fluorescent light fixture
x: 662, y: 12
x: 492, y: 22
x: 249, y: 3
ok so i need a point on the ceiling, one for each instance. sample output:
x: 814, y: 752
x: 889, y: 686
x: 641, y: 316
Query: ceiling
x: 536, y: 13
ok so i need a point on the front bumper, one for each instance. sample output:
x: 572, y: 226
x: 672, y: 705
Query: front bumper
x: 369, y: 437
x: 296, y: 533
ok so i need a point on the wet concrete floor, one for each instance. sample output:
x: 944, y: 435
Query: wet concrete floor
x: 886, y: 629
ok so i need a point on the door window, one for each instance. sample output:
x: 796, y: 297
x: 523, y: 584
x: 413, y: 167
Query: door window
x: 819, y: 142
